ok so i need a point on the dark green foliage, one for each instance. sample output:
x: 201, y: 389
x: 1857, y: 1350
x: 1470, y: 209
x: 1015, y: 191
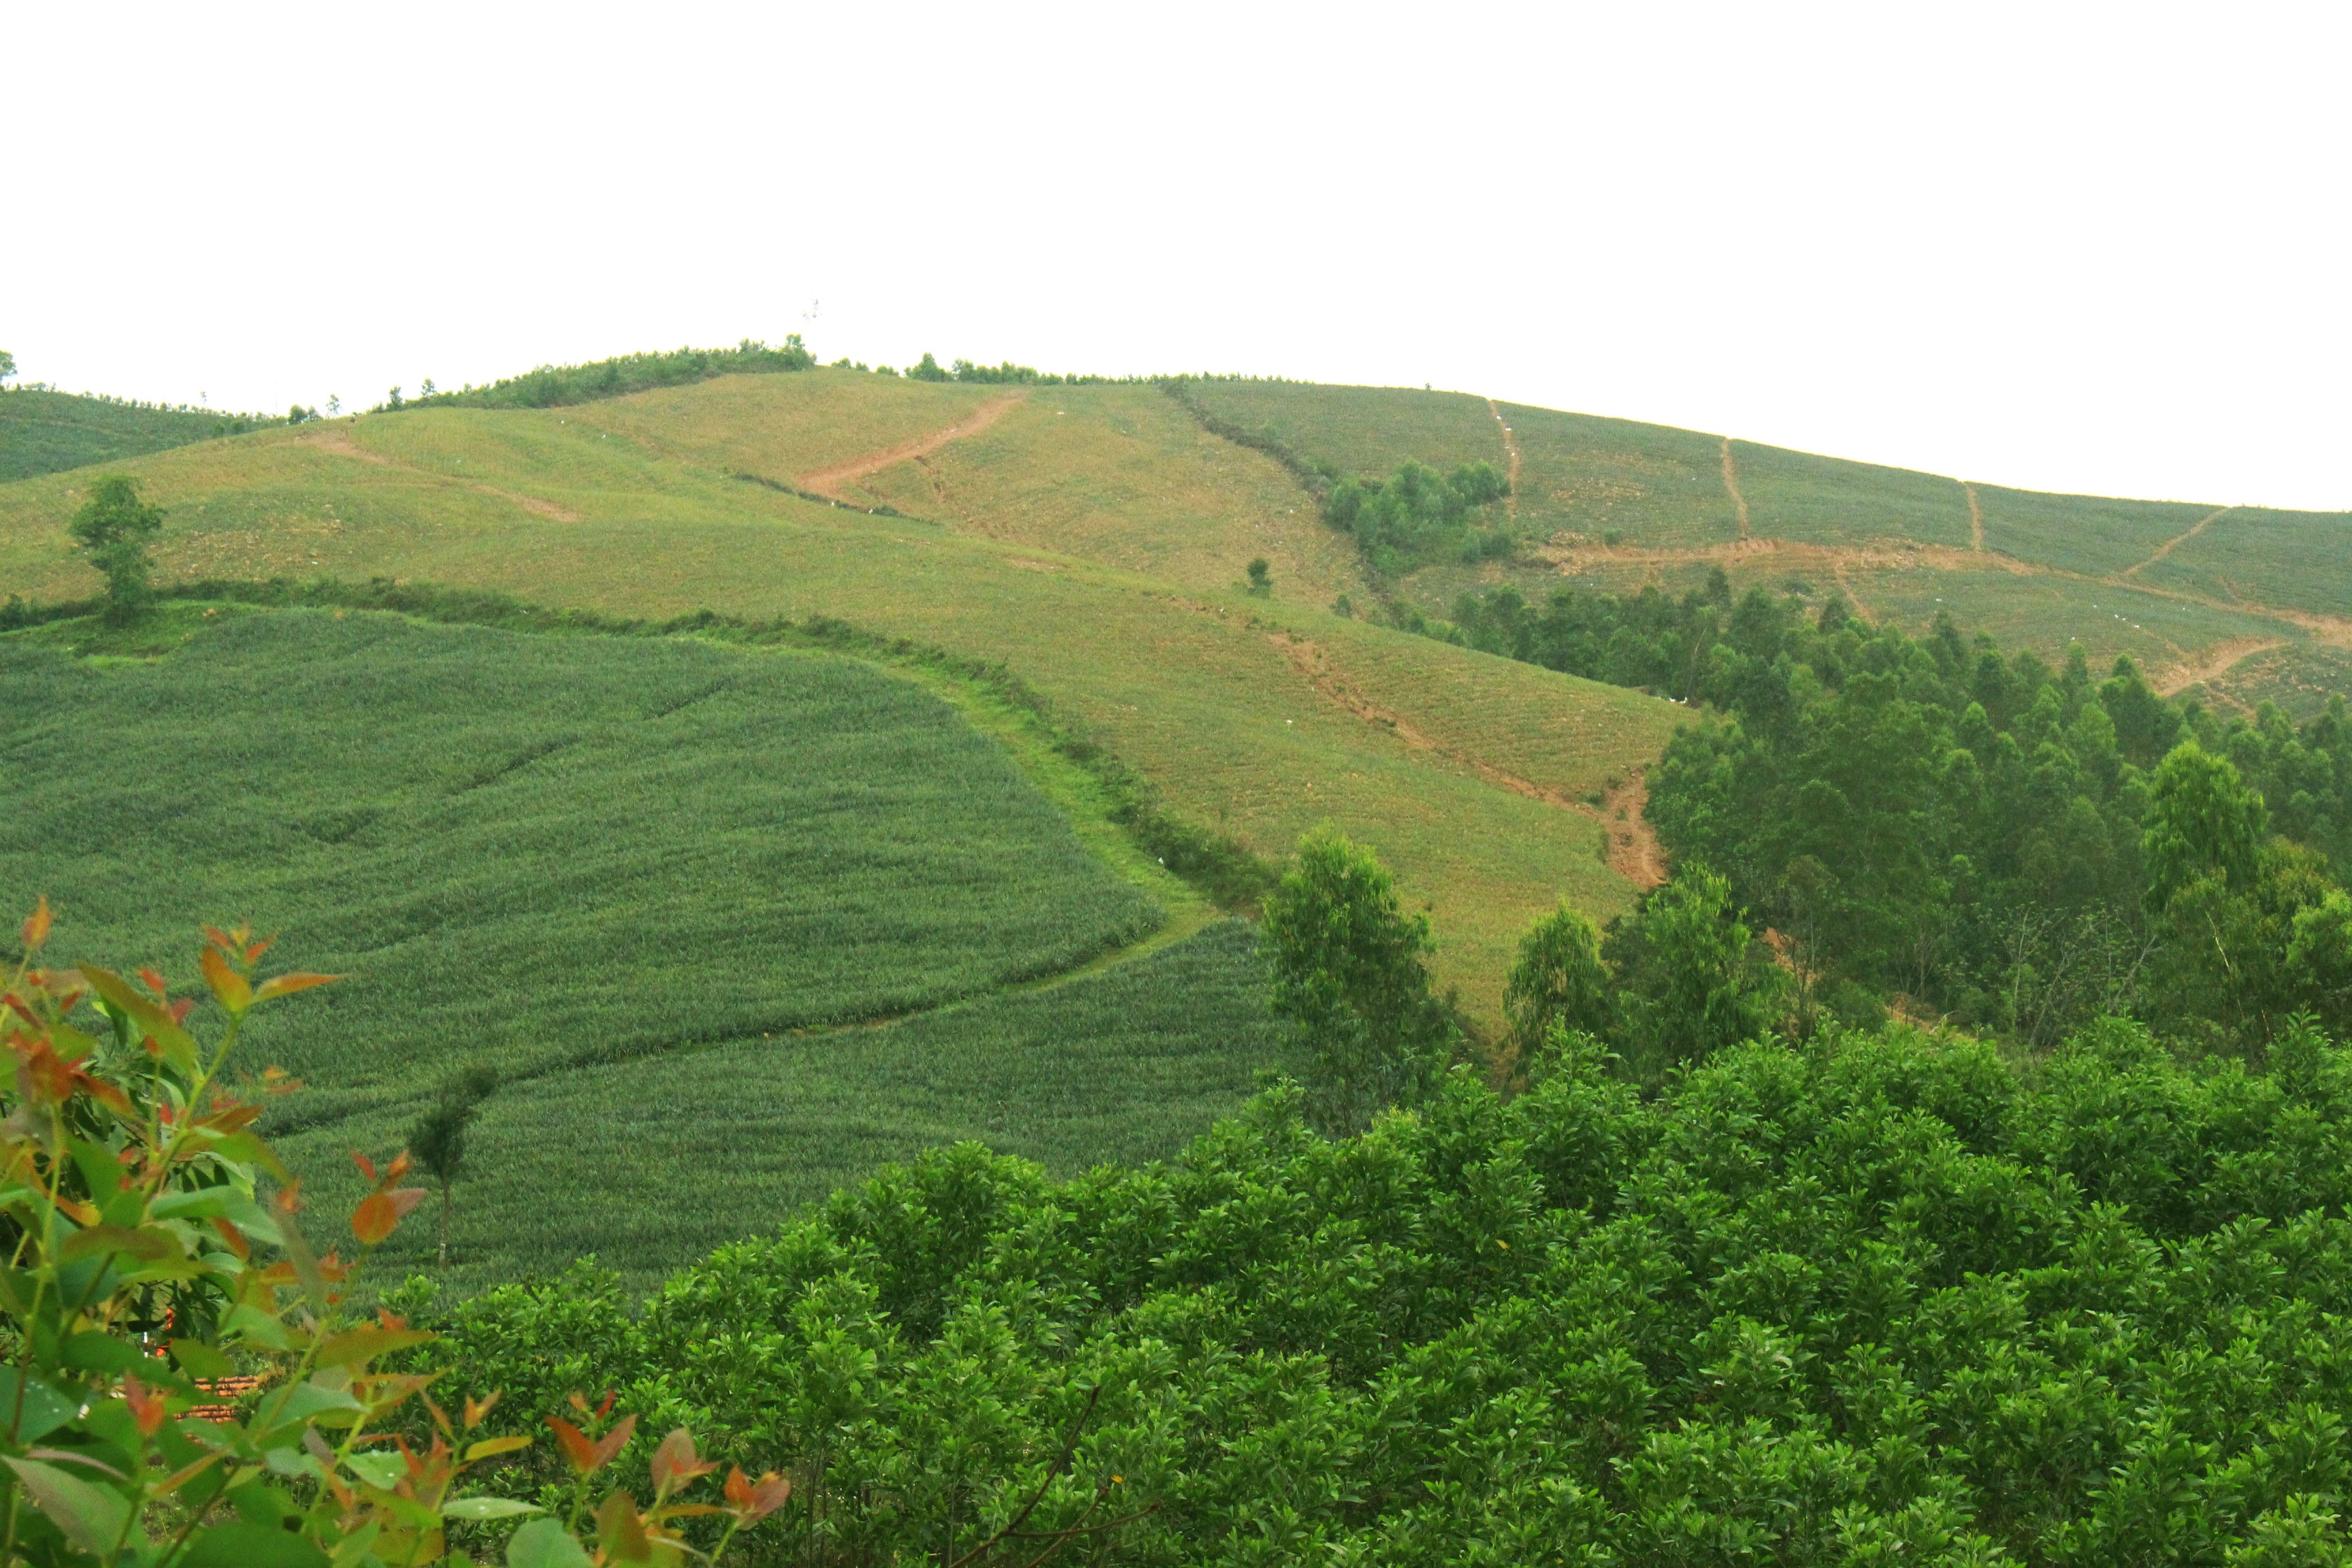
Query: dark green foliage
x: 1558, y: 982
x: 113, y: 528
x: 1926, y: 816
x: 1261, y: 579
x: 438, y: 1138
x: 1350, y: 980
x: 1882, y: 1300
x: 559, y: 386
x: 42, y: 432
x: 1418, y: 515
x: 927, y: 369
x: 1692, y: 978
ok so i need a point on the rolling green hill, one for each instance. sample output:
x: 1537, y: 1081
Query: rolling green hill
x: 1093, y: 540
x: 42, y: 432
x: 653, y: 882
x: 2235, y: 605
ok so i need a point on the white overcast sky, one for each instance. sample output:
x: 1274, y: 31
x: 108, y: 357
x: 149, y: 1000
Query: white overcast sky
x: 2097, y: 248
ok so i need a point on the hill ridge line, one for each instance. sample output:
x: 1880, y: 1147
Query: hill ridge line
x: 829, y: 481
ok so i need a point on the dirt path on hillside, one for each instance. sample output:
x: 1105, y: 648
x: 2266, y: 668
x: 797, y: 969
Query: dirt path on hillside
x: 1634, y: 852
x: 1511, y: 454
x: 337, y: 439
x: 2335, y: 631
x: 1976, y: 519
x: 2211, y: 664
x: 831, y: 482
x: 1731, y: 487
x: 2169, y: 545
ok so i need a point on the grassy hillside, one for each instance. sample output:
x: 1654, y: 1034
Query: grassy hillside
x: 2185, y: 589
x: 42, y: 432
x: 649, y: 881
x: 627, y: 507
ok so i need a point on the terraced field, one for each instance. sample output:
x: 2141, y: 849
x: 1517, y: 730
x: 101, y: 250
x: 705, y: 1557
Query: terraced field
x: 2185, y: 589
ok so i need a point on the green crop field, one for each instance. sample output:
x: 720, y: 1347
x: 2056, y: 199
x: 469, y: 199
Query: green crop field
x: 651, y: 1164
x: 538, y: 851
x: 42, y: 432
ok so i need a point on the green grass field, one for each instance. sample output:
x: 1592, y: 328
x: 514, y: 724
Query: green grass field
x: 42, y: 432
x: 649, y: 1165
x: 538, y: 851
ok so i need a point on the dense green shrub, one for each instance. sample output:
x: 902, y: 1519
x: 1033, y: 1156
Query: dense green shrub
x: 1882, y: 1298
x: 1418, y: 515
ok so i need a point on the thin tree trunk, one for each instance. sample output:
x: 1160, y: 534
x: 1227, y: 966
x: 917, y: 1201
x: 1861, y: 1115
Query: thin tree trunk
x: 444, y: 1222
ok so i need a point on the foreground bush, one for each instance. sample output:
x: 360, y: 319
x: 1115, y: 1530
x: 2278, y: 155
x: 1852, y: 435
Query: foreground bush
x: 152, y: 1275
x: 1882, y: 1300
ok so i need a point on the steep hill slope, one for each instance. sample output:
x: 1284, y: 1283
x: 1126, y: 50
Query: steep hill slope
x: 44, y: 432
x: 2239, y: 603
x: 1484, y: 783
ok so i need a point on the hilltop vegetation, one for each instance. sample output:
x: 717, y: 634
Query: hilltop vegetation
x: 42, y: 432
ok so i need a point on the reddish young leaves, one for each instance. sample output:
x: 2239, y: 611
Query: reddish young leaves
x: 588, y: 1455
x: 752, y: 1501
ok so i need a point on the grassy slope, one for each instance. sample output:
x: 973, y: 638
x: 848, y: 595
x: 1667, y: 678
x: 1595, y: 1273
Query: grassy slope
x: 1192, y: 684
x: 2053, y: 568
x: 44, y: 432
x: 735, y: 841
x: 661, y: 1160
x: 538, y: 851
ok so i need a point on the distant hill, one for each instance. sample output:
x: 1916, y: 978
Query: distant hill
x: 2237, y: 603
x: 44, y: 432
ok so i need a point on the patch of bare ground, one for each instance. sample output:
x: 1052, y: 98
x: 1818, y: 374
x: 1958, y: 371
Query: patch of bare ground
x: 1634, y: 852
x: 2210, y: 664
x: 337, y: 439
x: 832, y: 481
x: 1975, y: 518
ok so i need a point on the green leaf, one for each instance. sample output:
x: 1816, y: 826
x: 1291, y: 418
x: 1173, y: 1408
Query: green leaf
x: 306, y: 1401
x: 488, y: 1508
x: 195, y: 1202
x: 91, y: 1517
x: 202, y: 1360
x: 105, y: 1240
x: 382, y: 1471
x: 242, y: 1543
x: 45, y: 1408
x: 96, y: 1352
x: 544, y: 1543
